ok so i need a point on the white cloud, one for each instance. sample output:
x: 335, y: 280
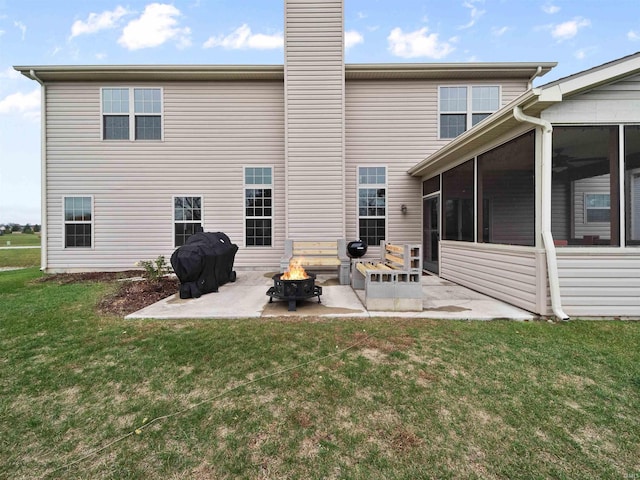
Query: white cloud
x: 475, y: 13
x: 156, y: 25
x: 22, y: 27
x: 2, y: 32
x: 242, y: 38
x: 10, y: 73
x: 98, y: 21
x: 585, y: 52
x: 417, y: 44
x: 567, y: 30
x: 550, y: 9
x: 352, y: 38
x: 633, y: 35
x: 25, y: 104
x: 361, y: 15
x: 499, y: 31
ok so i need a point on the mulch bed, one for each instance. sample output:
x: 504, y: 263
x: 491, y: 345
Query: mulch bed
x: 130, y: 295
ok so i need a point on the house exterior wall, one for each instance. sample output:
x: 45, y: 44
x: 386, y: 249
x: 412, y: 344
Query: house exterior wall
x: 599, y: 282
x: 212, y: 130
x: 394, y: 123
x: 509, y: 273
x: 617, y: 102
x: 314, y: 126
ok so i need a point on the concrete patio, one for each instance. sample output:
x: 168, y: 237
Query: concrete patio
x: 247, y: 298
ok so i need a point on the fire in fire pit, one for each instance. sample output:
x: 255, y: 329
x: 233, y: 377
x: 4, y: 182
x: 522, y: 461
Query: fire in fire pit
x: 294, y: 285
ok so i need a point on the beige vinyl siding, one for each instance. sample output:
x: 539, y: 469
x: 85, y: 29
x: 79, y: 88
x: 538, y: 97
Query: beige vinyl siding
x: 613, y: 103
x: 511, y: 274
x: 211, y: 131
x: 597, y: 283
x: 394, y: 123
x: 314, y: 93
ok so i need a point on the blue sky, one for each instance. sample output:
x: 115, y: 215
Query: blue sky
x: 578, y: 34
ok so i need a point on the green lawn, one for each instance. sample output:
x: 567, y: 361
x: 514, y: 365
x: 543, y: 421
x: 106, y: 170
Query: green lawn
x: 19, y: 257
x: 20, y: 239
x: 308, y: 398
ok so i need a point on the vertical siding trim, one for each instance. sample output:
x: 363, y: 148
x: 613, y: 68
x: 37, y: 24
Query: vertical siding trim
x: 622, y: 221
x: 286, y: 127
x: 43, y: 174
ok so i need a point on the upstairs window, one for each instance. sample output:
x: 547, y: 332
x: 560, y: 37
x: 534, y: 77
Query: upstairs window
x: 460, y: 108
x: 131, y: 113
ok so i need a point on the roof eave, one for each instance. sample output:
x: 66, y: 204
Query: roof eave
x: 153, y: 72
x: 468, y: 140
x: 276, y: 72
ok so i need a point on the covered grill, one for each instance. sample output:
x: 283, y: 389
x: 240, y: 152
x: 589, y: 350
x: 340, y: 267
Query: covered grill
x: 204, y: 263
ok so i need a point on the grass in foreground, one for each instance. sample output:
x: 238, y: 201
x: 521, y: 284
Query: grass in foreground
x: 410, y: 399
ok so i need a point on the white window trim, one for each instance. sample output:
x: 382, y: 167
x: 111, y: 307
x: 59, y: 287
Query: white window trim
x: 65, y: 223
x: 586, y: 208
x: 469, y: 112
x: 386, y: 196
x: 173, y: 214
x: 245, y: 186
x: 132, y: 114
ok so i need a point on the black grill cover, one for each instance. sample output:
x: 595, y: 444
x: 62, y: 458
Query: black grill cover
x: 204, y: 263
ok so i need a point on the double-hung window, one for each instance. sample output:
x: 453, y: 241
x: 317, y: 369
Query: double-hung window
x: 78, y: 222
x: 258, y: 206
x: 372, y: 204
x: 597, y: 207
x: 463, y: 107
x: 131, y: 113
x: 187, y: 218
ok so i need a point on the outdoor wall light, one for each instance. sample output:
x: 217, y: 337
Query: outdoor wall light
x: 403, y: 209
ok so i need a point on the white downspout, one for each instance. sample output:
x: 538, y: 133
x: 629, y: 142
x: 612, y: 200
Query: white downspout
x: 530, y: 82
x: 43, y: 172
x: 547, y: 237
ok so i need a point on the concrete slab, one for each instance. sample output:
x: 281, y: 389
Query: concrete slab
x: 247, y: 298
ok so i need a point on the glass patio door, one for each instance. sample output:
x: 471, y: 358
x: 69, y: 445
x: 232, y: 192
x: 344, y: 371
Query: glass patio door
x: 431, y: 233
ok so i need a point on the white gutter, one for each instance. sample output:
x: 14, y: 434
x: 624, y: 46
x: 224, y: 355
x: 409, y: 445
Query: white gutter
x: 547, y: 237
x: 530, y: 82
x: 43, y: 172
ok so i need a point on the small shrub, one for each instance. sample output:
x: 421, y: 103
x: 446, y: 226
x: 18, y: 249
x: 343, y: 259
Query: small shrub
x: 155, y: 269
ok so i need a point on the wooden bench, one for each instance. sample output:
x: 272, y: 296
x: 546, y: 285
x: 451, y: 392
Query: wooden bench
x: 394, y: 283
x: 318, y: 255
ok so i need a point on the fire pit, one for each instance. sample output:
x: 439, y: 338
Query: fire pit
x: 294, y: 285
